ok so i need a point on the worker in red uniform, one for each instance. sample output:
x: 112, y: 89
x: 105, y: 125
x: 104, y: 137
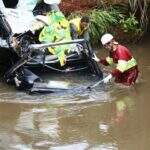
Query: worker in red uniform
x: 126, y: 71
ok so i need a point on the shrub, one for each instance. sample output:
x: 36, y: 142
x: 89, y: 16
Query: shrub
x: 111, y: 20
x: 130, y: 24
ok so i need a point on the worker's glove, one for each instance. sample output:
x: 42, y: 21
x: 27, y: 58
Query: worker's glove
x: 96, y: 58
x: 17, y: 81
x: 43, y: 19
x: 36, y: 25
x: 107, y: 79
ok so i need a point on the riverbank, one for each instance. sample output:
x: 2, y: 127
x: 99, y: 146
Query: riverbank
x: 128, y: 22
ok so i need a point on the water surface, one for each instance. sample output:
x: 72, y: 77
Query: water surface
x: 107, y: 118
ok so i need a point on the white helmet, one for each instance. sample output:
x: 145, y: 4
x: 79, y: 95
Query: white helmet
x: 50, y: 2
x: 106, y: 38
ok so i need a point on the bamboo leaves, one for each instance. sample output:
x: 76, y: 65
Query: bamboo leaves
x: 130, y: 24
x: 109, y: 19
x: 102, y: 21
x: 126, y: 18
x: 140, y: 6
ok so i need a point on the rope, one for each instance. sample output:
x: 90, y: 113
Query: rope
x: 96, y: 84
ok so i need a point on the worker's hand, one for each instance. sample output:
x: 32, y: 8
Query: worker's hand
x: 36, y: 25
x: 43, y: 19
x: 106, y: 70
x: 107, y: 79
x: 96, y: 58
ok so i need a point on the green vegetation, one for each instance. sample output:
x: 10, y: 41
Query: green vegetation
x: 101, y: 21
x: 141, y: 8
x: 118, y: 21
x: 130, y: 25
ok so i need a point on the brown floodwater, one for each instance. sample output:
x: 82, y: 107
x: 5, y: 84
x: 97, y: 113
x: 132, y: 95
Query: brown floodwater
x: 109, y: 117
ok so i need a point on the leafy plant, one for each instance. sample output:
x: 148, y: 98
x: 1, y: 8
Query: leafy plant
x: 110, y: 20
x: 140, y: 7
x: 102, y: 21
x: 130, y: 24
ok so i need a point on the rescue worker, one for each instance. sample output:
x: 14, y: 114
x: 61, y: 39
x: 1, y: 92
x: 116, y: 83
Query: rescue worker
x: 79, y: 28
x: 56, y: 29
x: 126, y: 71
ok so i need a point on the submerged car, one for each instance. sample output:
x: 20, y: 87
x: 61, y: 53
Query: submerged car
x: 21, y: 53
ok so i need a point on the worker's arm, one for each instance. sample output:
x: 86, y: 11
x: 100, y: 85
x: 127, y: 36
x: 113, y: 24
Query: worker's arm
x: 73, y: 30
x: 116, y: 73
x: 102, y: 61
x: 86, y: 36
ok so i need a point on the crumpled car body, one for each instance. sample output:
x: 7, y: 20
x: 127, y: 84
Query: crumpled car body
x: 22, y: 52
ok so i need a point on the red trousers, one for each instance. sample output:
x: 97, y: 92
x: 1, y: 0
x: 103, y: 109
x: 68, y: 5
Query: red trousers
x: 128, y: 77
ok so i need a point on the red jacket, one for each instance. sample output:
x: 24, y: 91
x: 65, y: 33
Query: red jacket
x: 126, y: 71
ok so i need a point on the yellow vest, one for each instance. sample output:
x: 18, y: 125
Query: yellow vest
x: 76, y: 22
x: 122, y: 65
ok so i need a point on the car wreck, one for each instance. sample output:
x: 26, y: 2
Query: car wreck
x: 21, y: 51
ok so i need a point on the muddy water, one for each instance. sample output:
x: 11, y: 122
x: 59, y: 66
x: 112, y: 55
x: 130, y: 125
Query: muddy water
x: 107, y: 118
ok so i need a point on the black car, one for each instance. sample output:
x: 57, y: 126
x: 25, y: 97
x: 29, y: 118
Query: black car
x: 19, y: 62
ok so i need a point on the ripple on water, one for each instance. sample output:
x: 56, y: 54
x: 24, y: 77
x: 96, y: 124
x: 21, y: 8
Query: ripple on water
x: 75, y: 146
x: 77, y: 95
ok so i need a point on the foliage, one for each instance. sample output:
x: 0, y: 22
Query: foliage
x: 110, y: 20
x: 140, y: 7
x: 130, y: 24
x: 102, y: 21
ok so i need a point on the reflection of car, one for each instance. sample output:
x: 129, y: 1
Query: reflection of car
x: 22, y: 53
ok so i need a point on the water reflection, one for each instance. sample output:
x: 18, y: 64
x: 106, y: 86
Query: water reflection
x: 60, y: 126
x: 81, y: 145
x: 7, y: 123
